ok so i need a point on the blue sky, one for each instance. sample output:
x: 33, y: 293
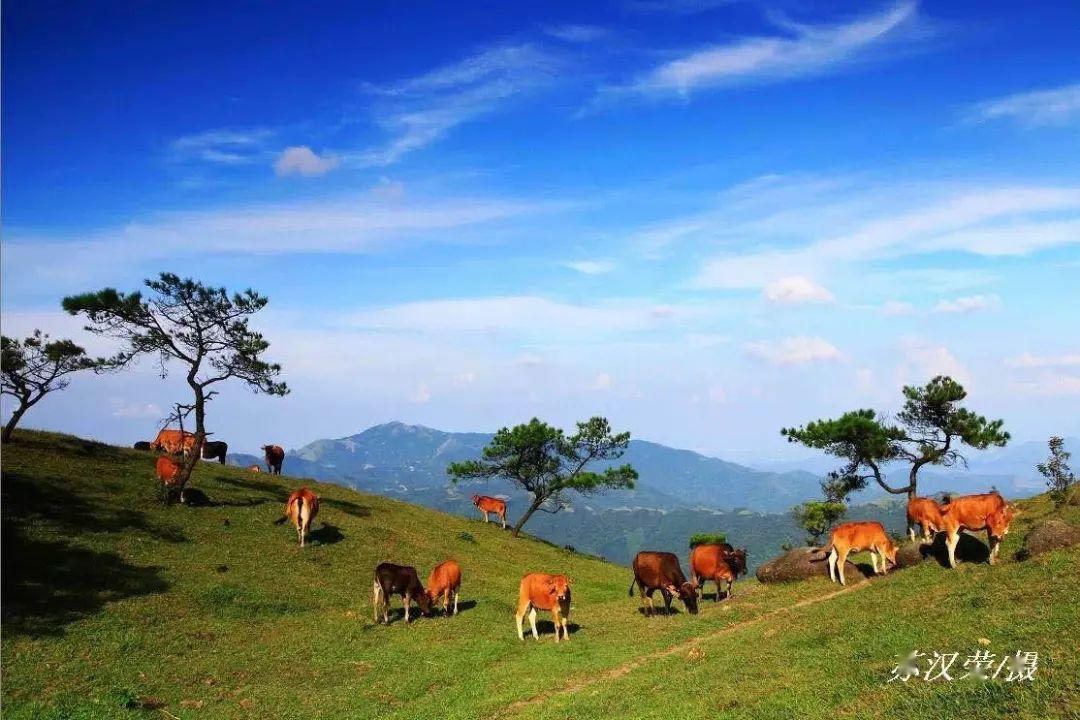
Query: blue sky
x: 706, y: 220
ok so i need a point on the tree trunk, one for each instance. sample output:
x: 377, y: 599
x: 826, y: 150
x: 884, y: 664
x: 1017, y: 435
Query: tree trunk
x: 200, y: 435
x: 12, y: 422
x: 537, y: 502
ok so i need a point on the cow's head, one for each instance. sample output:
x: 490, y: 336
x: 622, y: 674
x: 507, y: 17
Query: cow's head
x: 475, y: 499
x: 424, y: 601
x: 560, y: 588
x: 738, y: 558
x: 999, y: 521
x: 890, y: 554
x: 687, y: 593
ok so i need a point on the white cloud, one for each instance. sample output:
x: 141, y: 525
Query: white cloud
x: 1027, y: 360
x: 302, y: 160
x: 602, y: 382
x: 421, y: 394
x: 805, y: 50
x: 423, y: 109
x: 1059, y: 106
x: 972, y: 303
x: 132, y: 409
x: 796, y: 289
x: 795, y: 351
x: 924, y: 360
x: 591, y: 267
x: 896, y: 308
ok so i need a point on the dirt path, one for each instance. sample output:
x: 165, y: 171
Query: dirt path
x: 631, y: 665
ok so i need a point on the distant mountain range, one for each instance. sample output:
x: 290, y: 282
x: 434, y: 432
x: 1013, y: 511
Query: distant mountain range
x: 679, y: 492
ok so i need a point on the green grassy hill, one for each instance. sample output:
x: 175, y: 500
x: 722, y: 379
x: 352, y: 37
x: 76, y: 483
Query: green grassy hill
x: 116, y: 606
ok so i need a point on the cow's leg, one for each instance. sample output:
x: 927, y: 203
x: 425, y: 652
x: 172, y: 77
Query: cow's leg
x: 455, y: 601
x: 873, y: 560
x: 519, y: 617
x: 556, y: 620
x: 566, y: 624
x: 911, y: 530
x: 503, y: 516
x: 950, y: 543
x: 532, y: 623
x: 841, y: 561
x: 832, y: 565
x: 376, y: 591
x: 730, y: 582
x: 993, y: 543
x: 646, y: 596
x: 407, y: 601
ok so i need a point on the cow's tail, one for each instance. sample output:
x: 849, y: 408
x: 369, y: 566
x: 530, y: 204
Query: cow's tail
x: 633, y: 582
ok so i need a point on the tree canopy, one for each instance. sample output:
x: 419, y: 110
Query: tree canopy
x: 546, y: 463
x: 36, y: 366
x: 203, y: 328
x: 932, y: 427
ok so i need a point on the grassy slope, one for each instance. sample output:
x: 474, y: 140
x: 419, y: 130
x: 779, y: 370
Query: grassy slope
x: 110, y: 597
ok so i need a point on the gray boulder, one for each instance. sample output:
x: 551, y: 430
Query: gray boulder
x: 806, y: 562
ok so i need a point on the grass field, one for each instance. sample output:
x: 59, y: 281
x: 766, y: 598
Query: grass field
x: 116, y: 606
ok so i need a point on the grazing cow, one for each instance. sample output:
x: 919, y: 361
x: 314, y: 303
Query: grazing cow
x: 215, y: 451
x: 301, y: 507
x: 660, y: 571
x: 174, y: 442
x: 856, y: 536
x: 254, y: 468
x: 445, y: 580
x: 711, y: 562
x: 402, y: 580
x: 977, y: 512
x: 144, y: 445
x: 926, y: 513
x: 540, y: 591
x: 491, y: 505
x: 274, y: 457
x: 168, y: 474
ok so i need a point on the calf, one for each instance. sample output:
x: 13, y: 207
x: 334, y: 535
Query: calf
x: 275, y: 455
x: 491, y: 505
x: 445, y: 580
x: 301, y: 507
x: 661, y: 571
x: 977, y: 512
x: 540, y: 591
x: 711, y: 562
x: 402, y: 580
x: 215, y: 451
x: 254, y: 468
x: 168, y: 474
x: 856, y: 536
x: 926, y: 513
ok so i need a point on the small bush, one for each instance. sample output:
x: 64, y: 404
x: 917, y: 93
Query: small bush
x: 707, y: 539
x: 467, y: 537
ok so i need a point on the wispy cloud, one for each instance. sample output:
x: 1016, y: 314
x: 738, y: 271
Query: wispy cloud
x: 969, y: 304
x: 1059, y: 106
x: 795, y: 351
x: 302, y: 160
x: 576, y: 33
x: 421, y: 110
x: 223, y: 146
x: 1027, y: 360
x: 591, y: 267
x: 804, y: 50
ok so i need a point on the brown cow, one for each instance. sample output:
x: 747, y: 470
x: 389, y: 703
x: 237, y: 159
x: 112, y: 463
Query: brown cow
x: 856, y: 536
x: 402, y: 580
x: 488, y: 504
x: 168, y: 474
x: 926, y: 513
x: 540, y: 591
x: 661, y: 571
x: 977, y: 512
x: 174, y: 442
x: 275, y: 455
x: 301, y: 507
x: 445, y: 580
x: 711, y: 562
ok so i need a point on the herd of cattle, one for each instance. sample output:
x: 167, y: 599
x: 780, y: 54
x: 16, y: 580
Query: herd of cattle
x: 654, y: 571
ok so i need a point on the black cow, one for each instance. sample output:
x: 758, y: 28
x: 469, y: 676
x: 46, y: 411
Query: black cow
x: 215, y: 450
x: 144, y: 445
x: 391, y: 579
x: 660, y: 571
